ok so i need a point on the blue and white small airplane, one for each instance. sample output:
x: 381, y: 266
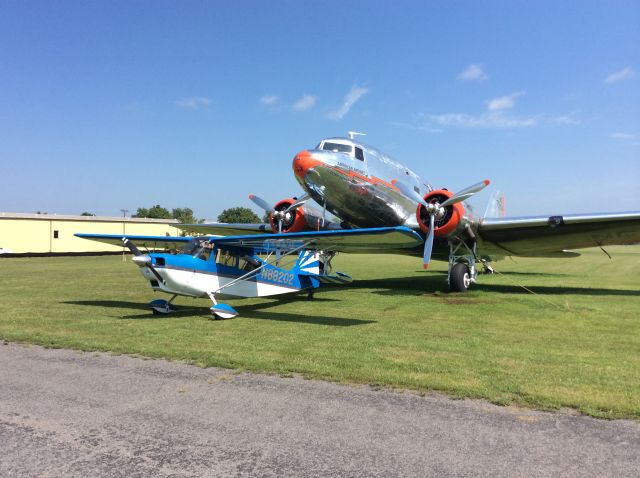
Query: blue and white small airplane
x: 250, y: 265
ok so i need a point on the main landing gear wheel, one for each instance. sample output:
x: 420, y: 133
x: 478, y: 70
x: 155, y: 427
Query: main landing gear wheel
x: 460, y: 278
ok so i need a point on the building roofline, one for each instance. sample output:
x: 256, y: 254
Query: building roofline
x: 66, y: 217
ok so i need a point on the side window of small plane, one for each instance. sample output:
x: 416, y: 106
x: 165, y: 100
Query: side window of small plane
x: 248, y: 263
x: 359, y: 154
x: 227, y: 259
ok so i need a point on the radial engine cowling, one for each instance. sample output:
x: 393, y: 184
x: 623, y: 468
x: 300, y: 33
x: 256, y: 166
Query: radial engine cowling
x: 449, y: 222
x: 301, y: 218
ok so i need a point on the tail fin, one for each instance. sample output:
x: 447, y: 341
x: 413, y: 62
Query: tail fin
x: 308, y: 263
x: 497, y: 206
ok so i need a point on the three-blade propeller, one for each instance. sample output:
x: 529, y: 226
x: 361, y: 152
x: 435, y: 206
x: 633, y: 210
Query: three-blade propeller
x: 281, y: 215
x: 436, y: 211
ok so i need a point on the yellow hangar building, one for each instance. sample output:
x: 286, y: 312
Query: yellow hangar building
x: 54, y: 234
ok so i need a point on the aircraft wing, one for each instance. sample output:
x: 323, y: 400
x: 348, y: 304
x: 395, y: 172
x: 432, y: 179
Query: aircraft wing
x: 225, y: 229
x: 377, y: 239
x: 150, y: 242
x: 551, y: 235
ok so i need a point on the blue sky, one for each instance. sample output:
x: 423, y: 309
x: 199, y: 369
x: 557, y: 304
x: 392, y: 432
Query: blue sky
x: 110, y: 105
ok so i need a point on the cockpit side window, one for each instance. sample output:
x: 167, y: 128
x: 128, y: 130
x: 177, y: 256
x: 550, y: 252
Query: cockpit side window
x: 226, y: 258
x: 337, y: 147
x: 359, y: 154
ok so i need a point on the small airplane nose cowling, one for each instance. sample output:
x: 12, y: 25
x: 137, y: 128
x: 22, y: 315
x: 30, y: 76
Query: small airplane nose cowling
x: 142, y: 260
x: 303, y: 162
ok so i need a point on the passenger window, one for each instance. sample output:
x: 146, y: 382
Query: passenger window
x: 227, y: 259
x: 359, y: 154
x: 248, y: 263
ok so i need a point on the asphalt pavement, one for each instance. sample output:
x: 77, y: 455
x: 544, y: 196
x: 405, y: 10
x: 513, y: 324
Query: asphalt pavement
x: 68, y: 413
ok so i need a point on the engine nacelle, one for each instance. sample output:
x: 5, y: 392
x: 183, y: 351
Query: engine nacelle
x: 448, y: 223
x: 302, y: 218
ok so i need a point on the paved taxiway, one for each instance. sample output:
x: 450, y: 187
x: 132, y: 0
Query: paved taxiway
x: 66, y: 413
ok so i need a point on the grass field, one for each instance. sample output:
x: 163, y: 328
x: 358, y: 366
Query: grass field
x: 574, y: 343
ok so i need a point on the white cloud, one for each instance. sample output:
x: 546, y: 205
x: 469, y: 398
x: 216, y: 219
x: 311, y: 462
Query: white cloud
x: 473, y: 72
x: 269, y: 100
x: 623, y: 74
x: 497, y: 120
x: 624, y: 136
x: 355, y: 93
x: 503, y: 102
x: 569, y: 119
x: 194, y: 102
x: 304, y: 103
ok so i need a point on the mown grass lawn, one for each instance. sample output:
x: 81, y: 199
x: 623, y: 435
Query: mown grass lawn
x: 574, y: 343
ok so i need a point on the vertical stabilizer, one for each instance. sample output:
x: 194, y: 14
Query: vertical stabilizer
x: 497, y: 206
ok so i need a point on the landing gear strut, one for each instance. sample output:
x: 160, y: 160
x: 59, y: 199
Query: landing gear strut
x: 462, y: 266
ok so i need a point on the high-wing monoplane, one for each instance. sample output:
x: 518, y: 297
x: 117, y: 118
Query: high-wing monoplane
x: 365, y: 188
x: 250, y: 265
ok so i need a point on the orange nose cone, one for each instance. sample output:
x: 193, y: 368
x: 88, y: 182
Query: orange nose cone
x: 302, y: 163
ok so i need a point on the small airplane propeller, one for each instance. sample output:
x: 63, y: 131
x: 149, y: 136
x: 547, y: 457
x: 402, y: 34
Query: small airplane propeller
x: 436, y: 211
x: 280, y: 216
x: 141, y: 259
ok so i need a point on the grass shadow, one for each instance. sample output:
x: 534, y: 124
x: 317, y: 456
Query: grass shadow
x: 553, y: 290
x: 436, y: 283
x: 253, y: 311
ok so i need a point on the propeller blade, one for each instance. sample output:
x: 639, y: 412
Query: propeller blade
x: 301, y: 200
x: 466, y: 193
x: 409, y: 192
x: 428, y: 243
x: 261, y: 203
x: 132, y: 247
x: 155, y: 272
x: 143, y: 260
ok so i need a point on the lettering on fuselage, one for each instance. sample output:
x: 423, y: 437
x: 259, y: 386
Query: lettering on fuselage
x: 275, y: 275
x: 350, y: 168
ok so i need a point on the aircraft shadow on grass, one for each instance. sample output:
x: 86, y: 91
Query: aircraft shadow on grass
x: 254, y: 311
x: 433, y: 283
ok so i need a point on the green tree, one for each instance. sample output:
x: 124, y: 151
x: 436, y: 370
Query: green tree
x: 155, y: 212
x: 242, y: 215
x: 185, y: 216
x: 87, y: 214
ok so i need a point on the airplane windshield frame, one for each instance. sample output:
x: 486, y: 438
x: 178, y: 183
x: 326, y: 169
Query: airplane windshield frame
x: 337, y: 147
x: 194, y: 247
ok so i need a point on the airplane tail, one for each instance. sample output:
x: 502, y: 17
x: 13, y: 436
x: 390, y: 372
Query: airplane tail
x: 309, y: 265
x: 497, y: 206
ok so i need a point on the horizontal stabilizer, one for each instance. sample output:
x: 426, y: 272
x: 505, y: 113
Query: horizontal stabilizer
x: 337, y: 278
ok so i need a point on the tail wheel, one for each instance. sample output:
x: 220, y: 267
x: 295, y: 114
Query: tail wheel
x: 460, y: 277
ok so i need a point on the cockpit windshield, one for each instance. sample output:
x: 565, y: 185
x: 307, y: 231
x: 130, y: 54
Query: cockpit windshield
x: 194, y: 247
x: 337, y: 147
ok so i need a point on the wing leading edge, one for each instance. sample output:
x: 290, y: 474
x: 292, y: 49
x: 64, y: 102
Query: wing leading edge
x: 371, y: 240
x: 550, y: 235
x: 151, y: 242
x: 225, y: 229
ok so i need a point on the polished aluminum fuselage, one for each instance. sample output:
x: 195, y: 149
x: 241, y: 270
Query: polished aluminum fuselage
x: 359, y: 191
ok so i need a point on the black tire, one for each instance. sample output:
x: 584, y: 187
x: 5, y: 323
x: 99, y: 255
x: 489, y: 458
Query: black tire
x: 460, y: 278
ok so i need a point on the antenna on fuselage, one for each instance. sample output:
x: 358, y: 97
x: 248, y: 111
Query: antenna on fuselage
x: 353, y: 134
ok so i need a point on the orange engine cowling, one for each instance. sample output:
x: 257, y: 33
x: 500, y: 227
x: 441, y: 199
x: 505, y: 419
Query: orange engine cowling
x: 447, y: 223
x: 296, y: 220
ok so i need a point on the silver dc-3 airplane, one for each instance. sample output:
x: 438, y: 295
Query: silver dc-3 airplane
x: 382, y: 206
